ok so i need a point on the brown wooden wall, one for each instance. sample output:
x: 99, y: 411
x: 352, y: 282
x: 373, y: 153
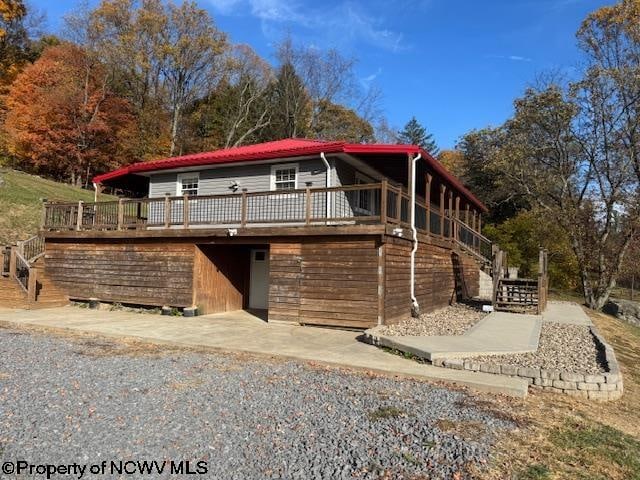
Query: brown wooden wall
x: 325, y: 281
x: 436, y: 269
x: 141, y: 272
x: 220, y: 278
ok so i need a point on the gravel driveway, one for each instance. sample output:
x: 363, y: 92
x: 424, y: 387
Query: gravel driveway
x: 65, y: 399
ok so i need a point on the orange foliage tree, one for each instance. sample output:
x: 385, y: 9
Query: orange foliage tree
x: 63, y: 121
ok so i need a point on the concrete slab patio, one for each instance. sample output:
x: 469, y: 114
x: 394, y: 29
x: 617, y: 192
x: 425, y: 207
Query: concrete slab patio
x: 241, y: 331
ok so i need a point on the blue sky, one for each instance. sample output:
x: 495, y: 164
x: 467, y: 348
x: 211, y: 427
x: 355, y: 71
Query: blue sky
x: 454, y: 64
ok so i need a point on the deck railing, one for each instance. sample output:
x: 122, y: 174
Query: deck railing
x: 352, y: 204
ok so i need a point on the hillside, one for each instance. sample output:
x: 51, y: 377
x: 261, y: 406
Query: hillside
x: 21, y: 204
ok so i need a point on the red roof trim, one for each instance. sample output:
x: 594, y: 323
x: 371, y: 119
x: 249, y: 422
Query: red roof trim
x: 285, y: 149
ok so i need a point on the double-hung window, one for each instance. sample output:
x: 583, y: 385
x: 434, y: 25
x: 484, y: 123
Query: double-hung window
x: 284, y: 177
x: 188, y: 184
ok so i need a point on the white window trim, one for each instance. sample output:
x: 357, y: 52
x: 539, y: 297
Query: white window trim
x: 282, y: 166
x: 186, y: 175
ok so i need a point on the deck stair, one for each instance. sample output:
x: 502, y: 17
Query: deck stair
x: 518, y: 295
x: 23, y: 283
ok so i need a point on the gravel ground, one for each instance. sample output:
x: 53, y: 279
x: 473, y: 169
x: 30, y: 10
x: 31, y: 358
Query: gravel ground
x: 561, y: 347
x: 452, y: 320
x: 86, y: 400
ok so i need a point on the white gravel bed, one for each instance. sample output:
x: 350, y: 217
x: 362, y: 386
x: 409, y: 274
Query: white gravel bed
x: 452, y: 320
x: 569, y: 348
x: 65, y: 400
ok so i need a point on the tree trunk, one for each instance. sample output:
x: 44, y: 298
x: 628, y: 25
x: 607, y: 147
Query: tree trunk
x: 174, y: 129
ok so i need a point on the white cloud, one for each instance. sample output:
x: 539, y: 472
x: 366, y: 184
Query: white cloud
x: 514, y: 58
x: 345, y: 21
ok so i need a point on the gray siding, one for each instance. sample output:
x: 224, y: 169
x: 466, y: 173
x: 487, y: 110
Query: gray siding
x: 257, y: 178
x: 254, y: 178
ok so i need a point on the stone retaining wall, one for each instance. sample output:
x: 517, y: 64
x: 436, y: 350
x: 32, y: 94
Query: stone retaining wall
x: 602, y: 387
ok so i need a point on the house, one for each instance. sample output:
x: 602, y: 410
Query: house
x: 309, y: 232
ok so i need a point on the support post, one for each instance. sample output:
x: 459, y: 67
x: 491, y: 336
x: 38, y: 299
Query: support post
x: 12, y: 261
x: 457, y: 216
x: 307, y: 202
x: 120, y: 213
x: 383, y: 201
x: 167, y: 211
x: 479, y: 222
x: 427, y: 197
x: 80, y: 215
x: 32, y: 283
x: 43, y: 218
x: 451, y: 215
x: 443, y: 190
x: 185, y: 211
x: 243, y: 214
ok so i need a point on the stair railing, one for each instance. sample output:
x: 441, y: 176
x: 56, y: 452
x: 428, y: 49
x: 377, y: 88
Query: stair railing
x: 21, y: 271
x: 32, y: 248
x: 5, y: 254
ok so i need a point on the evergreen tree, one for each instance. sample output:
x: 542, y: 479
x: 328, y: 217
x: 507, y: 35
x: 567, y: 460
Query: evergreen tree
x: 415, y: 134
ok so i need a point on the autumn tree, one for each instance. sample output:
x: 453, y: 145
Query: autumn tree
x: 62, y: 119
x: 191, y: 49
x: 336, y: 122
x: 13, y: 39
x: 454, y: 161
x: 291, y: 105
x: 414, y: 133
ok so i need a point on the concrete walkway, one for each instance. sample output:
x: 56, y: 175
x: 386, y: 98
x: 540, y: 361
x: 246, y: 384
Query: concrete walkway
x: 569, y: 313
x: 240, y: 331
x: 498, y: 333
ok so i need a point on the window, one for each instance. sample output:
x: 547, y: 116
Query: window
x: 284, y: 177
x: 188, y: 184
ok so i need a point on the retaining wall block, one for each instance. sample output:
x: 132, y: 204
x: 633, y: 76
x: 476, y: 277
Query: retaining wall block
x: 588, y: 386
x: 509, y: 370
x: 564, y: 385
x: 529, y: 372
x: 571, y: 377
x: 490, y: 368
x: 594, y: 378
x: 550, y: 374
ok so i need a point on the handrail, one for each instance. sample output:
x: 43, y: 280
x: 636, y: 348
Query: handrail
x: 380, y: 203
x: 23, y: 273
x: 32, y: 248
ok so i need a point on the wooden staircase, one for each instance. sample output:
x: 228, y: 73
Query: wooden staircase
x: 518, y: 295
x: 23, y: 283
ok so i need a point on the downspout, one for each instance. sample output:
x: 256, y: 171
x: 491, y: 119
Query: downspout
x: 415, y: 308
x: 328, y: 182
x: 95, y: 192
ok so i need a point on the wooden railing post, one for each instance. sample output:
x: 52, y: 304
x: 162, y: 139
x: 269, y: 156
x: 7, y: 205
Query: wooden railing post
x: 456, y: 232
x: 32, y: 284
x: 443, y: 189
x: 167, y: 211
x: 185, y: 211
x: 243, y: 214
x: 12, y: 261
x: 80, y: 215
x: 427, y: 196
x: 120, y: 213
x: 43, y: 218
x: 384, y: 193
x: 307, y: 202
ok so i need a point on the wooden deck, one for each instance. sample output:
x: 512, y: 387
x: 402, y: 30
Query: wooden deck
x: 353, y: 209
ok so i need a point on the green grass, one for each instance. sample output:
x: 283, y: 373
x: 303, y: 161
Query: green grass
x: 589, y: 443
x: 386, y: 412
x: 21, y: 197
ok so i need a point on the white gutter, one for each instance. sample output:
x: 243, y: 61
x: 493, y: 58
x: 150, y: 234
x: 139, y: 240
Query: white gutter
x: 415, y: 308
x: 328, y: 182
x: 95, y: 193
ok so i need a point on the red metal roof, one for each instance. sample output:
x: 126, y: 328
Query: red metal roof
x: 291, y: 147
